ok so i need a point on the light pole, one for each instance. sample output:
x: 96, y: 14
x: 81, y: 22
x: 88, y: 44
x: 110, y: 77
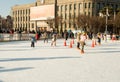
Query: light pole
x: 106, y: 28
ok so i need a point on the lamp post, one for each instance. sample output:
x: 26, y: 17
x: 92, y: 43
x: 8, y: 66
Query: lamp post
x: 106, y: 28
x: 55, y: 15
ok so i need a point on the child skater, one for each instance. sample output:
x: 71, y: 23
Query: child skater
x: 33, y: 40
x: 78, y: 41
x: 54, y: 37
x: 82, y: 42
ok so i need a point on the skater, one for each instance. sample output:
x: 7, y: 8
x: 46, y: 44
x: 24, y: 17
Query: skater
x: 54, y: 37
x: 45, y: 36
x: 33, y: 40
x: 99, y: 39
x: 78, y: 41
x: 66, y: 35
x: 82, y: 42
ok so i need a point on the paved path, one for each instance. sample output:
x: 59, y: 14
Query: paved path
x: 21, y: 63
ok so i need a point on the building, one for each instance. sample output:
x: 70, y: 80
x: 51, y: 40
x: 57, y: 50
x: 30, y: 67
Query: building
x: 66, y: 9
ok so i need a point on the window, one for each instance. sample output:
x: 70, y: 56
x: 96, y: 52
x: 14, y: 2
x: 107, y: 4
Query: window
x: 85, y: 13
x: 74, y: 6
x: 21, y: 18
x: 61, y: 16
x: 69, y: 25
x: 116, y: 6
x: 26, y: 18
x: 26, y: 11
x: 85, y: 5
x: 18, y: 19
x: 79, y: 5
x: 112, y: 5
x: 89, y: 5
x: 57, y: 8
x: 98, y: 5
x: 29, y: 11
x: 29, y: 18
x: 26, y: 26
x: 103, y: 4
x: 70, y: 16
x: 32, y: 25
x: 18, y: 12
x: 93, y: 4
x: 65, y: 7
x: 23, y: 12
x: 88, y: 13
x: 65, y: 16
x: 74, y: 15
x: 70, y: 7
x: 61, y: 7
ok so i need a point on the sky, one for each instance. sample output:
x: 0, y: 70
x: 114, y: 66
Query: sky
x: 5, y: 5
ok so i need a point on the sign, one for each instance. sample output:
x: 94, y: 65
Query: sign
x: 43, y: 12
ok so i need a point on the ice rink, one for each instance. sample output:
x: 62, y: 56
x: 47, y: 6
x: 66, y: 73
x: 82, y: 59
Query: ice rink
x: 21, y: 63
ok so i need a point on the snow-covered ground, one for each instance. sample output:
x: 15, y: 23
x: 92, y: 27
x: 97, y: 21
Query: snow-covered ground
x: 21, y: 63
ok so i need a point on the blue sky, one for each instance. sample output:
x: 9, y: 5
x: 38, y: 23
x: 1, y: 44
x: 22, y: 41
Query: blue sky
x: 5, y: 5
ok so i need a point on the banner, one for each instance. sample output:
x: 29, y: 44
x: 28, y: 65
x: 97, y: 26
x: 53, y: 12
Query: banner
x: 43, y: 12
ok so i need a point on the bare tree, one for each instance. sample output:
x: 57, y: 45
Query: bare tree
x: 81, y: 22
x: 117, y: 23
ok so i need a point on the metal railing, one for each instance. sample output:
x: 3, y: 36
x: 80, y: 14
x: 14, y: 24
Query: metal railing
x: 15, y: 36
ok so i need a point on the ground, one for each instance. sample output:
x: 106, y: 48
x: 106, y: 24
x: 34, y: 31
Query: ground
x: 21, y: 63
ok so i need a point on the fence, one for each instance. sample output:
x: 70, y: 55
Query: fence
x: 15, y: 36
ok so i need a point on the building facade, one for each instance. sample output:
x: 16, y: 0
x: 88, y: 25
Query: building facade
x: 66, y: 9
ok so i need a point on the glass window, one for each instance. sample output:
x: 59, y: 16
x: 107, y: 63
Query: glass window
x: 85, y: 5
x: 79, y: 5
x: 26, y: 11
x: 70, y: 15
x: 57, y: 8
x: 65, y: 7
x: 88, y: 13
x: 29, y: 11
x: 26, y: 18
x: 61, y: 7
x: 23, y: 11
x: 74, y: 6
x: 93, y: 4
x: 65, y: 16
x: 21, y: 18
x: 98, y: 5
x: 85, y: 13
x: 32, y: 25
x: 89, y: 5
x: 70, y: 6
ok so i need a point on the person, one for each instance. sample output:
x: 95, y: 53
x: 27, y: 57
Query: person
x: 78, y: 40
x: 37, y: 36
x: 82, y: 42
x: 66, y: 35
x: 45, y: 36
x: 105, y: 37
x: 33, y: 40
x: 113, y: 37
x: 54, y: 37
x: 99, y: 38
